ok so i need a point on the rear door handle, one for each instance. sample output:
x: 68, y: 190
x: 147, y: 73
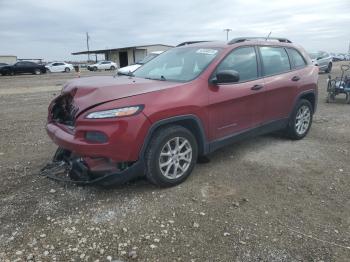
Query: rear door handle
x: 256, y: 87
x: 295, y: 78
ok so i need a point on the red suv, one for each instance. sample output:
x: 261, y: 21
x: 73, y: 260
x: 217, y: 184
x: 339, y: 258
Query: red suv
x: 186, y: 103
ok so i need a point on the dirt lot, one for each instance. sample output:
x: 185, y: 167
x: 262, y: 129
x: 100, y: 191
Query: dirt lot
x: 264, y: 199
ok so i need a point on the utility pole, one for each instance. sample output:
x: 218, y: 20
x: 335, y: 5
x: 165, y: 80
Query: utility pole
x: 87, y: 45
x: 227, y: 30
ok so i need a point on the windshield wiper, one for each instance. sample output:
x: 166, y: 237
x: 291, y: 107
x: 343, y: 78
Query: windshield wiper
x: 162, y: 78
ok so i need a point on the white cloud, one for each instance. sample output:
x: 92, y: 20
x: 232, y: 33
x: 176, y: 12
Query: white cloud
x: 54, y: 29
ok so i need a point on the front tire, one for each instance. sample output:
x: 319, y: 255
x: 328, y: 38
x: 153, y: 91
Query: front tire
x: 37, y: 72
x: 67, y: 70
x: 301, y: 120
x: 171, y: 156
x: 112, y: 68
x: 95, y: 68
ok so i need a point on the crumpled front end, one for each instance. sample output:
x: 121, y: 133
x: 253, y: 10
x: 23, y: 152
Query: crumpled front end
x: 95, y: 150
x: 68, y: 167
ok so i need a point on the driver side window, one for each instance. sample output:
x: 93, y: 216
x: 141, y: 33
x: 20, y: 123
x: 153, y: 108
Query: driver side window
x: 244, y: 61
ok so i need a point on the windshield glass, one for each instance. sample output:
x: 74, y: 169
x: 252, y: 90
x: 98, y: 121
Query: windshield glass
x: 178, y: 64
x: 147, y: 59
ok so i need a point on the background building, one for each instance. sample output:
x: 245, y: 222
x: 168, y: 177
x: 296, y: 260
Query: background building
x: 8, y: 59
x: 125, y: 56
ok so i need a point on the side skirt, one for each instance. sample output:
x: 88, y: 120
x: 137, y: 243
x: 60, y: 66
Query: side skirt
x: 256, y: 131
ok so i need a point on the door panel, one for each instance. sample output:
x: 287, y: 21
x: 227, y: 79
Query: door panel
x: 234, y: 108
x: 279, y: 86
x: 279, y: 95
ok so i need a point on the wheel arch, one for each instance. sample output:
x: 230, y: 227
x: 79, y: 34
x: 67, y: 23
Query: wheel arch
x: 309, y: 95
x: 191, y: 122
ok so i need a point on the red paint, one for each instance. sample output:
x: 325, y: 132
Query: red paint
x: 222, y: 109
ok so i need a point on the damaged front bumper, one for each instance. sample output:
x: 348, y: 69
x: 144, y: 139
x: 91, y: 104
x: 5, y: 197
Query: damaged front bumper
x: 66, y: 167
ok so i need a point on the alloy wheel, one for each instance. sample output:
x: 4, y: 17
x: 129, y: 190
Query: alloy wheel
x: 175, y: 157
x: 302, y: 120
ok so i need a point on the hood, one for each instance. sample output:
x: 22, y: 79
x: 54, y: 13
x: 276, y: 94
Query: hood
x: 91, y: 91
x: 127, y: 69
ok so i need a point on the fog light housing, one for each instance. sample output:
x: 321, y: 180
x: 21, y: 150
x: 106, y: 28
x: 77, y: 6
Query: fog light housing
x: 96, y: 136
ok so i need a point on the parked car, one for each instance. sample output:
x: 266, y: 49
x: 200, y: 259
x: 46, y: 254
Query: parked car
x: 127, y: 70
x: 23, y: 67
x: 323, y: 60
x: 339, y: 57
x: 103, y: 65
x: 55, y: 67
x: 185, y: 103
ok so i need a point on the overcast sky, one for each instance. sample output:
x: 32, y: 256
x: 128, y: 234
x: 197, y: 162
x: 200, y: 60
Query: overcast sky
x: 54, y: 29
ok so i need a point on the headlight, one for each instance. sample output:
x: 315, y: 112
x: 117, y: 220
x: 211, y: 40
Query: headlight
x: 119, y: 112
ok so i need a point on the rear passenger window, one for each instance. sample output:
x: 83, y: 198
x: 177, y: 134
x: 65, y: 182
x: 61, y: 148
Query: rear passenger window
x: 296, y: 57
x: 275, y: 60
x: 243, y: 60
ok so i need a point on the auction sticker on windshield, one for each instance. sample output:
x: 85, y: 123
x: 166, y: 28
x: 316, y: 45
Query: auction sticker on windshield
x: 207, y: 51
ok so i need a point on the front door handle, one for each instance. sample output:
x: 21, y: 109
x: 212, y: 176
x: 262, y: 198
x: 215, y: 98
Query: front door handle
x: 295, y: 78
x: 256, y: 87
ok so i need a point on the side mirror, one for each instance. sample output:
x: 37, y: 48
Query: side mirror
x: 225, y: 76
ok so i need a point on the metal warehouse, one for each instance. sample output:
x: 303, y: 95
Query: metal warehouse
x: 125, y: 56
x: 8, y: 59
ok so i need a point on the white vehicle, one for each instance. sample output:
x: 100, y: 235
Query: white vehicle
x: 103, y: 65
x: 127, y: 70
x: 55, y: 67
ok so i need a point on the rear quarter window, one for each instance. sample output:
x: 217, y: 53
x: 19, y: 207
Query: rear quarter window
x: 274, y: 59
x: 297, y: 59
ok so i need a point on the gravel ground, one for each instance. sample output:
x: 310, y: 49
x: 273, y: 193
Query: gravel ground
x: 263, y: 199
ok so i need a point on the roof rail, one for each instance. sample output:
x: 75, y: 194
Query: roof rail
x: 243, y: 39
x: 191, y: 42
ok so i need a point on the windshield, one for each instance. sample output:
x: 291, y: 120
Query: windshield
x: 178, y: 64
x: 147, y: 59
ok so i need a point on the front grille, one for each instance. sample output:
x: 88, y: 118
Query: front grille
x: 64, y: 111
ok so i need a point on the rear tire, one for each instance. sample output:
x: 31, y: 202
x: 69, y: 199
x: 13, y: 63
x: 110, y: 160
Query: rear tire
x: 37, y: 72
x: 112, y: 68
x: 348, y: 98
x: 171, y: 156
x: 330, y: 98
x: 329, y: 68
x: 300, y: 121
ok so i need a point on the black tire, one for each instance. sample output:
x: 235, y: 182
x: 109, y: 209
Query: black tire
x: 329, y: 68
x: 112, y: 68
x: 11, y: 73
x: 291, y: 130
x: 67, y: 70
x: 330, y: 97
x: 94, y: 68
x: 348, y: 98
x: 153, y: 151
